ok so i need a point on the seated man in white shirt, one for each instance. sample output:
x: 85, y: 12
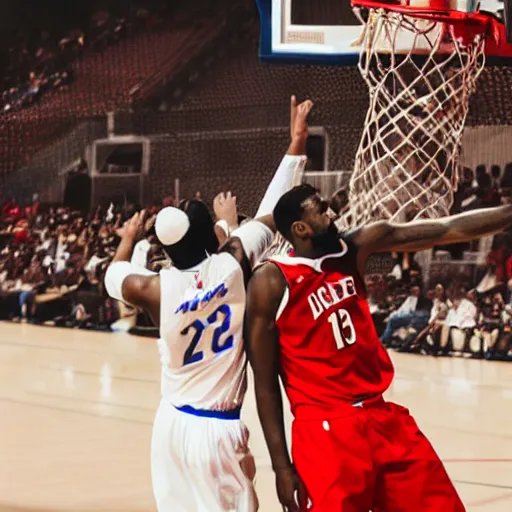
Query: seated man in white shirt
x: 414, y: 312
x: 459, y: 323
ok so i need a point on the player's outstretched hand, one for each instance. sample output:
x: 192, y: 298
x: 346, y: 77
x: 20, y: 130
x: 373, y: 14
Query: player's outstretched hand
x: 132, y: 227
x: 224, y: 207
x: 299, y: 118
x: 506, y: 188
x: 291, y: 491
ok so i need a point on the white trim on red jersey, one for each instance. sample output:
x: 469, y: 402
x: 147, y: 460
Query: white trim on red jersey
x: 284, y: 302
x: 316, y: 265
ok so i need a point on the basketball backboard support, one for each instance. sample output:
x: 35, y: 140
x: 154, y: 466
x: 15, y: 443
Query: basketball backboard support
x: 284, y: 39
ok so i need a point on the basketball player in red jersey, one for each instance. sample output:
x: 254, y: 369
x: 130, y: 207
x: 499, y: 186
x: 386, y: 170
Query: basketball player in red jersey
x: 308, y: 321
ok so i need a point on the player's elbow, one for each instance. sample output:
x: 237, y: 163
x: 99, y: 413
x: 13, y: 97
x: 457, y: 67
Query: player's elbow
x: 136, y: 290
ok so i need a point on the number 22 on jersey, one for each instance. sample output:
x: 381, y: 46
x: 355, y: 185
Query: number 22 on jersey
x: 220, y: 319
x: 342, y: 328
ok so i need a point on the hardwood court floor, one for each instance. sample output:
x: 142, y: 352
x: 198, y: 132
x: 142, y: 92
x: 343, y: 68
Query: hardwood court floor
x: 76, y: 410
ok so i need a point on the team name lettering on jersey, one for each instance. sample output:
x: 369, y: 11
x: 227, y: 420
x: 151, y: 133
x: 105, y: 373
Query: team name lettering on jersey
x: 330, y: 294
x: 202, y: 299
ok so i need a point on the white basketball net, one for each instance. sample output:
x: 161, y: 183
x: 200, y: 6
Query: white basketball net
x: 407, y: 163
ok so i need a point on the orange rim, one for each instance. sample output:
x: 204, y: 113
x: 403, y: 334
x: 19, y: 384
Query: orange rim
x: 430, y: 13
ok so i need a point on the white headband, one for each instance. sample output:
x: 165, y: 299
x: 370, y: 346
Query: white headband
x: 171, y: 225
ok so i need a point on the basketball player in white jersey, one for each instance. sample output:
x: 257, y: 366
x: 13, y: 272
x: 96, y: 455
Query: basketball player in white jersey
x: 200, y: 459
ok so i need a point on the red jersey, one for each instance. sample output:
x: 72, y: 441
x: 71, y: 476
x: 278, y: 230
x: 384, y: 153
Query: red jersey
x: 331, y: 355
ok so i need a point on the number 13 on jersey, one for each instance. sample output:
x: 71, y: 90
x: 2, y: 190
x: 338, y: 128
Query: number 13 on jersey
x: 342, y: 328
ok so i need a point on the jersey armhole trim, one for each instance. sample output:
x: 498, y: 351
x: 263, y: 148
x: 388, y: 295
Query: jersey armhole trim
x: 284, y: 302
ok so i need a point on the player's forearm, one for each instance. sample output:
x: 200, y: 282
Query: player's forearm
x: 424, y: 234
x: 125, y: 249
x: 482, y: 222
x: 297, y: 146
x: 270, y: 412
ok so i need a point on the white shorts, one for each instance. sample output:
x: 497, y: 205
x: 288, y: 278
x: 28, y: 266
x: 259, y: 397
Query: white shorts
x: 201, y: 464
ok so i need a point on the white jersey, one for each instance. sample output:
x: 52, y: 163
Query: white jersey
x: 201, y: 343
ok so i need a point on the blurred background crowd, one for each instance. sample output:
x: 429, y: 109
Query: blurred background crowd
x: 53, y: 260
x: 109, y: 106
x: 42, y: 58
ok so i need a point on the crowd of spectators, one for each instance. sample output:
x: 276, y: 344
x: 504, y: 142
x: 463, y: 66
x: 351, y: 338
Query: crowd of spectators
x: 467, y: 313
x: 445, y: 318
x: 37, y: 61
x: 53, y: 260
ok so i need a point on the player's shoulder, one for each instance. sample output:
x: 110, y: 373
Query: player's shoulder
x: 268, y: 269
x: 266, y: 290
x: 268, y: 277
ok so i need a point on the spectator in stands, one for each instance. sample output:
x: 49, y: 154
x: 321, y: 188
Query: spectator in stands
x: 99, y: 256
x: 491, y: 321
x: 440, y: 303
x: 505, y: 343
x: 413, y: 312
x: 497, y: 259
x: 428, y: 338
x: 459, y: 323
x: 464, y: 190
x: 495, y: 176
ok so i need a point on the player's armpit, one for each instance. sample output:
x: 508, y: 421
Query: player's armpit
x: 144, y: 293
x: 264, y: 295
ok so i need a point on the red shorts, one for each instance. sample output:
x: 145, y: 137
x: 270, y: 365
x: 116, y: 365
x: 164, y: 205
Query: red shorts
x: 375, y: 458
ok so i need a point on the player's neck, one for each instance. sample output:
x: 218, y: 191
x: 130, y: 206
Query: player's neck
x: 312, y: 253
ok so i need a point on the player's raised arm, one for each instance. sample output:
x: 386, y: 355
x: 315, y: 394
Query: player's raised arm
x: 424, y: 234
x: 226, y: 214
x: 130, y: 283
x: 249, y: 242
x: 264, y: 296
x: 295, y: 159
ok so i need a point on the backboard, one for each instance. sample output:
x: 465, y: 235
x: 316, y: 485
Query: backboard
x: 327, y: 31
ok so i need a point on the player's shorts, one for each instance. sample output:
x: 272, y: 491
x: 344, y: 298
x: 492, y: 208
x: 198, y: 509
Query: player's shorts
x: 201, y: 464
x: 372, y: 458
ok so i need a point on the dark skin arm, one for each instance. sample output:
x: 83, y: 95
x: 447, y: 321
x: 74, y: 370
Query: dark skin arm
x: 419, y: 235
x: 264, y: 295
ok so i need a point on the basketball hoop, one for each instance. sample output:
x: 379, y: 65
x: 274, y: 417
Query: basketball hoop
x: 407, y: 163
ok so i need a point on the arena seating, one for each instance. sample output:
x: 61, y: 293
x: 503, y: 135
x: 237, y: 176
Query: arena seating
x: 103, y: 82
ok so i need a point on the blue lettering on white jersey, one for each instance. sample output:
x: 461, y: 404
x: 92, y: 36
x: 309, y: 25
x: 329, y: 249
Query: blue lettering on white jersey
x: 201, y: 324
x: 202, y: 299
